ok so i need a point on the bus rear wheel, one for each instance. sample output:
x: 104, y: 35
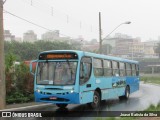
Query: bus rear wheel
x: 96, y: 101
x: 62, y: 106
x: 126, y: 96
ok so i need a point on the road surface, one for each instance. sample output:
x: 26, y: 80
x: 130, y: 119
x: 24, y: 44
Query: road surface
x: 138, y: 101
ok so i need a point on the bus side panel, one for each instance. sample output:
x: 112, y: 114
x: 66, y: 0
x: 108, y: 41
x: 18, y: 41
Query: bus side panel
x: 86, y: 97
x: 87, y: 91
x: 111, y: 87
x: 133, y: 83
x: 105, y: 85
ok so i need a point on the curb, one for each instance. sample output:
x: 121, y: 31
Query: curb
x: 27, y: 107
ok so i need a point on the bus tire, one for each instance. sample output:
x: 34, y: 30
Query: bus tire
x: 61, y: 106
x: 127, y: 92
x: 96, y: 101
x: 126, y: 96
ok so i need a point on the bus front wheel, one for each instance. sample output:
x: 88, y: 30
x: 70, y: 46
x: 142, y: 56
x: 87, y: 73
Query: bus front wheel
x: 96, y: 101
x: 62, y: 106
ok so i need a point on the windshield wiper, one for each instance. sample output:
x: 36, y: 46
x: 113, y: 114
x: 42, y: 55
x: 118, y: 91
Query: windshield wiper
x: 70, y: 68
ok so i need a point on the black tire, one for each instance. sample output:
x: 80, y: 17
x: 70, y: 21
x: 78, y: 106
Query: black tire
x: 96, y: 101
x: 62, y: 106
x: 127, y: 93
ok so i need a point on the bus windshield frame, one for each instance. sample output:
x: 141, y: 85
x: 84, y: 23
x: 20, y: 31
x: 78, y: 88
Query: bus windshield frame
x: 56, y: 72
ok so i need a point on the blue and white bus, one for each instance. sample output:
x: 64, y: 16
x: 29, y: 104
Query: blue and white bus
x: 65, y: 77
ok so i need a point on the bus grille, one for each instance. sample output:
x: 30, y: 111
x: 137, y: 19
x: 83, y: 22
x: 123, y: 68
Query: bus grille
x: 58, y: 99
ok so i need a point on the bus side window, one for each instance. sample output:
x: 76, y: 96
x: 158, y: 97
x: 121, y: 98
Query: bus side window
x: 128, y: 69
x: 107, y: 68
x: 122, y: 69
x: 115, y: 67
x: 85, y: 70
x: 98, y: 67
x: 137, y: 70
x: 133, y: 69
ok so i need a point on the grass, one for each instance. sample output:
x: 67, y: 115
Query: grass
x: 153, y: 108
x: 150, y: 109
x: 150, y: 79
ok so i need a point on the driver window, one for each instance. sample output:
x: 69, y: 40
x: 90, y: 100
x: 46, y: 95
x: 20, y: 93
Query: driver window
x: 85, y: 70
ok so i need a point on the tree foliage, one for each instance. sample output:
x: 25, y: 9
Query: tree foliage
x: 19, y: 82
x: 106, y: 49
x: 29, y: 51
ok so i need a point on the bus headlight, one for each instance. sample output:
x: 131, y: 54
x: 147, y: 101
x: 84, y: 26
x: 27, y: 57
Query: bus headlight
x: 38, y: 90
x: 72, y: 91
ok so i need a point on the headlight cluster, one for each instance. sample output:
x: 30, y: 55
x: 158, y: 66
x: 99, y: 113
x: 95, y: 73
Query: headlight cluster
x: 38, y: 90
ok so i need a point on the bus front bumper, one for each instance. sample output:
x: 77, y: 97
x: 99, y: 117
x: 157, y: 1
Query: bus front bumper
x: 69, y: 98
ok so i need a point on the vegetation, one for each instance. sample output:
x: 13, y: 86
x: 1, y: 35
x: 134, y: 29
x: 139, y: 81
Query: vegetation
x: 151, y: 78
x: 106, y: 49
x: 19, y: 97
x: 29, y: 51
x: 19, y: 81
x: 151, y: 108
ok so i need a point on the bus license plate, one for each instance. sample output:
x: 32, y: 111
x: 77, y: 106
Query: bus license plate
x: 52, y: 98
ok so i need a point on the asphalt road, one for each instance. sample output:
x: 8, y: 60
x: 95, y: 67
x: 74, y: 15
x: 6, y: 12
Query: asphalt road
x: 138, y: 101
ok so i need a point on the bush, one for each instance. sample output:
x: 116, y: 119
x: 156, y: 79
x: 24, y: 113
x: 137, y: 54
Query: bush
x: 18, y: 97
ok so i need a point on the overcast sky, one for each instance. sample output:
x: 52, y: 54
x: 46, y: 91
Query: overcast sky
x: 80, y: 17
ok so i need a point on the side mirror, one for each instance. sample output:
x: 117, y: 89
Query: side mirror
x: 33, y: 66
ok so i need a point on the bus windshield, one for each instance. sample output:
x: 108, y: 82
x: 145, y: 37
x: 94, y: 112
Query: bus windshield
x: 56, y: 73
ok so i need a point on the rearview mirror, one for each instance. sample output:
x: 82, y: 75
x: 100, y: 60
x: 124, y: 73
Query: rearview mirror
x: 33, y: 66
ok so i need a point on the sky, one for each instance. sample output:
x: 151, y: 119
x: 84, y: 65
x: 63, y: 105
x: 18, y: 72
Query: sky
x: 76, y: 18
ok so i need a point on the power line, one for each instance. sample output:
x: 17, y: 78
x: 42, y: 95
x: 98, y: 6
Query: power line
x: 52, y: 10
x: 31, y: 22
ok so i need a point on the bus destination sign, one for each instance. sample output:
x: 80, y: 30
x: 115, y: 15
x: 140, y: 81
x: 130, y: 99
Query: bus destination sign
x: 50, y: 56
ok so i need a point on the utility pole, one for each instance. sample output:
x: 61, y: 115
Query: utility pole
x: 100, y: 34
x: 2, y: 69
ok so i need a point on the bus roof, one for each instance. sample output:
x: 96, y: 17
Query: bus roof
x: 83, y: 53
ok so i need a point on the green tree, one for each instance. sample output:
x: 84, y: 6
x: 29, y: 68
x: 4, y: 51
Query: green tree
x: 106, y: 49
x: 30, y: 51
x: 9, y: 61
x: 9, y: 70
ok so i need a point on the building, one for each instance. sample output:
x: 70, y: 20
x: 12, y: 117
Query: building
x: 29, y: 36
x: 136, y: 49
x: 50, y: 35
x: 125, y: 46
x: 90, y: 47
x: 8, y: 36
x: 149, y: 49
